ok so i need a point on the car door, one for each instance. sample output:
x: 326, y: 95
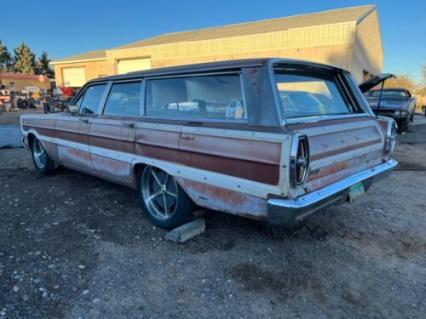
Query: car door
x: 112, y: 133
x: 73, y: 128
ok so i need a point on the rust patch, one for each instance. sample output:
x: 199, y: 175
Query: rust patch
x: 217, y: 198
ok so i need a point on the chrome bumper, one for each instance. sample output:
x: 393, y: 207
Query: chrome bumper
x: 290, y: 211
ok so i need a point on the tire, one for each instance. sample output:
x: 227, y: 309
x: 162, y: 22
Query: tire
x: 42, y: 162
x: 404, y: 125
x: 164, y: 202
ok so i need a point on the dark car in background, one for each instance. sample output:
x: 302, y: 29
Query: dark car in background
x: 397, y: 103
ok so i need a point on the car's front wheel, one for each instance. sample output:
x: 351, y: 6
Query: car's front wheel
x: 42, y: 162
x: 163, y: 200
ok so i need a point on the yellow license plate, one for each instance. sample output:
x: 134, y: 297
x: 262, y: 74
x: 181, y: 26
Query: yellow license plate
x: 355, y: 191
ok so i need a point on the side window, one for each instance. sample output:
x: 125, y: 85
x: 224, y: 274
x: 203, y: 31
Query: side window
x: 124, y: 99
x: 200, y: 97
x: 91, y: 99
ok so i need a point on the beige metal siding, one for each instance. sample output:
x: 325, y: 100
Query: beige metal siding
x: 74, y: 77
x: 130, y: 65
x: 368, y: 49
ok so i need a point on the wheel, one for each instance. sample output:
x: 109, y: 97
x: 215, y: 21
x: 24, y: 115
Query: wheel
x: 404, y: 125
x: 164, y: 202
x: 42, y: 162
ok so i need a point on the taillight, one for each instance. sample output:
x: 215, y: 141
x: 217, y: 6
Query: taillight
x: 299, y: 160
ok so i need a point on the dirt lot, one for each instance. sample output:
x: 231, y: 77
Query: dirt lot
x: 74, y: 246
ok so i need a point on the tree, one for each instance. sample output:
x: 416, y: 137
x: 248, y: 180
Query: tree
x: 24, y: 60
x: 401, y: 81
x: 43, y: 65
x: 5, y: 58
x: 422, y: 87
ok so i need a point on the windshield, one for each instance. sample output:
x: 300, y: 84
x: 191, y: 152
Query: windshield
x: 307, y: 95
x: 390, y: 94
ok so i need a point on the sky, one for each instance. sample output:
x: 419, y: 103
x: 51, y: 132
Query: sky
x: 64, y: 28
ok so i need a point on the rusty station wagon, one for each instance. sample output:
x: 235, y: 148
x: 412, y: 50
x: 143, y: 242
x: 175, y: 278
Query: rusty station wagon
x: 269, y: 139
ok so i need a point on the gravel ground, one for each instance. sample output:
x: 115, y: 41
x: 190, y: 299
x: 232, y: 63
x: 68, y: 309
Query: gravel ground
x: 73, y: 246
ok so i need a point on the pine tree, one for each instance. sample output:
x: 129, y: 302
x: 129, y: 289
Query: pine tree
x: 5, y: 58
x: 43, y: 65
x: 24, y: 60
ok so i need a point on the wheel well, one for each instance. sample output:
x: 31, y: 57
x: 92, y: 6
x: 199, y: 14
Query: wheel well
x: 137, y: 169
x: 31, y: 138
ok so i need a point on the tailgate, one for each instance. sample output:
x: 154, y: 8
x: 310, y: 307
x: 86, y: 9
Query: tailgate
x: 340, y: 148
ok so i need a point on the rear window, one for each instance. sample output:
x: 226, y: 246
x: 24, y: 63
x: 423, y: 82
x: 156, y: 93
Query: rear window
x: 214, y: 97
x: 310, y: 95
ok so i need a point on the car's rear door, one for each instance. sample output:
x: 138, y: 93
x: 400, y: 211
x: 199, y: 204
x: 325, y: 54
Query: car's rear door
x: 72, y: 128
x: 112, y: 133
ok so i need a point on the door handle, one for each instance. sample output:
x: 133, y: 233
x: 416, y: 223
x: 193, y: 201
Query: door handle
x: 128, y: 124
x: 186, y: 136
x: 84, y: 120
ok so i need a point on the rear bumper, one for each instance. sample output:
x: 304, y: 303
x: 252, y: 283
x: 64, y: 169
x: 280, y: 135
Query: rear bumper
x: 290, y: 211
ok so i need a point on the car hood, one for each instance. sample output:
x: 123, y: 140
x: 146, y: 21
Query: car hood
x: 389, y: 103
x: 375, y: 80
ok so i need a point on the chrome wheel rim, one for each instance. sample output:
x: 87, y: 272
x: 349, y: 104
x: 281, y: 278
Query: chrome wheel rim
x: 159, y: 192
x: 39, y: 153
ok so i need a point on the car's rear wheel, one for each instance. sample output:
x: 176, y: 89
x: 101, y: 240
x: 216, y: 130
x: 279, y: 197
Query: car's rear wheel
x: 42, y: 162
x: 163, y: 200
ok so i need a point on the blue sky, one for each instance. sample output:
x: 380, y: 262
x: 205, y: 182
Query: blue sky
x: 64, y: 28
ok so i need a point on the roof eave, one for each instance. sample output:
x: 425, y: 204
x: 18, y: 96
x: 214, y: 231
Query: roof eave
x: 77, y: 61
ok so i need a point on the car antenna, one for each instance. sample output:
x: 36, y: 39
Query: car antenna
x: 380, y: 97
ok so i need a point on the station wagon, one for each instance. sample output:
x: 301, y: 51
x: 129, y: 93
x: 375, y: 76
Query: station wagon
x: 269, y: 139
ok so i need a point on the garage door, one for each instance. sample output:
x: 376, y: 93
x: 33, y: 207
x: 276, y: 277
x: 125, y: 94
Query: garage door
x: 130, y: 65
x: 74, y: 77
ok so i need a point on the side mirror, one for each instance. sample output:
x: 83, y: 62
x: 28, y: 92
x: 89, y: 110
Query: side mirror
x: 73, y: 109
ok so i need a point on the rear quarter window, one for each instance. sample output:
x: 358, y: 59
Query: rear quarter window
x: 212, y: 97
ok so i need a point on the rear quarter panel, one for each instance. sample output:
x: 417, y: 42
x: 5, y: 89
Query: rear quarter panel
x: 340, y: 148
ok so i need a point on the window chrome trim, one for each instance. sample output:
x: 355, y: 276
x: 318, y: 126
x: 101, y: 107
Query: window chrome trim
x: 319, y: 118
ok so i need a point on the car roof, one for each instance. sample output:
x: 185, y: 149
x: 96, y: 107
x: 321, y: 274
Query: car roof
x: 209, y: 66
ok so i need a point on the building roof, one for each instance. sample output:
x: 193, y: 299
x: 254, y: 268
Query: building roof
x: 352, y: 14
x: 22, y: 76
x: 90, y: 55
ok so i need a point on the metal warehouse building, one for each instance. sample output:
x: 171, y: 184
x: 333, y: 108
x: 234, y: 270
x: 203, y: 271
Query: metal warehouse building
x: 349, y: 38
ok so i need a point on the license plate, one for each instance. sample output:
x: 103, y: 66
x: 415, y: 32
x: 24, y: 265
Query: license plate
x: 355, y: 191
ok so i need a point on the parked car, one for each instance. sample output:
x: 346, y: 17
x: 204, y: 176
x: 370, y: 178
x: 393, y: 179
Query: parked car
x: 269, y: 139
x: 397, y: 103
